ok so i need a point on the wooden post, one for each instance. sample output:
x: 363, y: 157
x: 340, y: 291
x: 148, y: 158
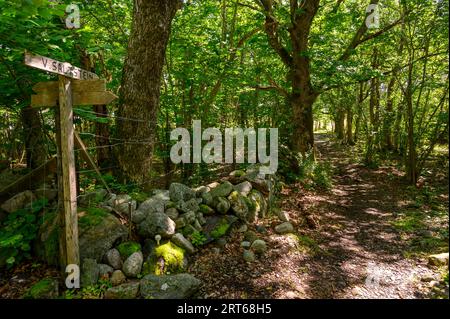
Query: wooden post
x: 68, y: 177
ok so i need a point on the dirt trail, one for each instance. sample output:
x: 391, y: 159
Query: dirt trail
x: 353, y: 252
x: 363, y: 251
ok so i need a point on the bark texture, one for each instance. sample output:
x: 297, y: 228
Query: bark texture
x: 140, y: 91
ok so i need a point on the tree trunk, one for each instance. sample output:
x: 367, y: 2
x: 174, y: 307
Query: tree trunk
x: 140, y: 91
x: 303, y: 95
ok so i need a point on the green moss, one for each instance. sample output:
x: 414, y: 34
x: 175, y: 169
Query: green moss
x: 251, y: 205
x: 206, y: 210
x: 127, y: 248
x: 139, y: 196
x: 255, y: 200
x: 91, y: 216
x: 173, y: 257
x: 170, y: 204
x: 43, y: 289
x: 220, y: 230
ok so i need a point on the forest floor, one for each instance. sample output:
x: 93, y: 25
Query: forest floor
x: 366, y: 237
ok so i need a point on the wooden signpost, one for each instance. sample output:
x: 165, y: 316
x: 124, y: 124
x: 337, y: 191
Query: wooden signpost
x: 75, y: 86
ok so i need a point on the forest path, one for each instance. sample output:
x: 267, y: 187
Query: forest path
x: 360, y: 253
x: 344, y: 246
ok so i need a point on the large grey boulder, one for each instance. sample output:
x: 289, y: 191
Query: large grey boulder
x: 133, y: 265
x: 154, y: 204
x: 157, y: 224
x: 99, y: 236
x: 19, y: 201
x: 124, y: 291
x: 179, y: 192
x: 190, y: 206
x: 179, y: 286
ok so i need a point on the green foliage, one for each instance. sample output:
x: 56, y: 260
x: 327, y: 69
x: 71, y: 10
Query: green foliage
x: 41, y: 290
x: 221, y: 229
x: 127, y: 248
x: 96, y: 291
x: 198, y: 238
x: 91, y: 216
x: 18, y: 231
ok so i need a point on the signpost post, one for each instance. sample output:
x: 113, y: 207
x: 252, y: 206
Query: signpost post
x: 75, y: 86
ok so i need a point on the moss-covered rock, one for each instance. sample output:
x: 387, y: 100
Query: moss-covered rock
x: 127, y: 248
x: 45, y: 289
x: 124, y: 291
x: 91, y: 216
x: 221, y: 229
x: 238, y: 205
x: 167, y: 258
x: 260, y: 203
x: 206, y: 210
x: 98, y: 232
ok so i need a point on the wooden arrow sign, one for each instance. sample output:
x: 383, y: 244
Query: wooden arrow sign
x: 77, y: 86
x: 62, y: 68
x: 49, y: 99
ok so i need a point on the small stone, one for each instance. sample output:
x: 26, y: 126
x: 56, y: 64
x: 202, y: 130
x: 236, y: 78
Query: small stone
x: 283, y: 216
x: 249, y: 256
x: 250, y: 236
x: 216, y: 250
x: 284, y: 228
x: 259, y: 246
x: 261, y: 229
x: 242, y: 229
x: 246, y: 244
x: 179, y: 240
x: 112, y: 258
x: 133, y: 265
x: 124, y: 291
x: 221, y: 242
x: 104, y: 270
x: 117, y: 278
x: 438, y: 260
